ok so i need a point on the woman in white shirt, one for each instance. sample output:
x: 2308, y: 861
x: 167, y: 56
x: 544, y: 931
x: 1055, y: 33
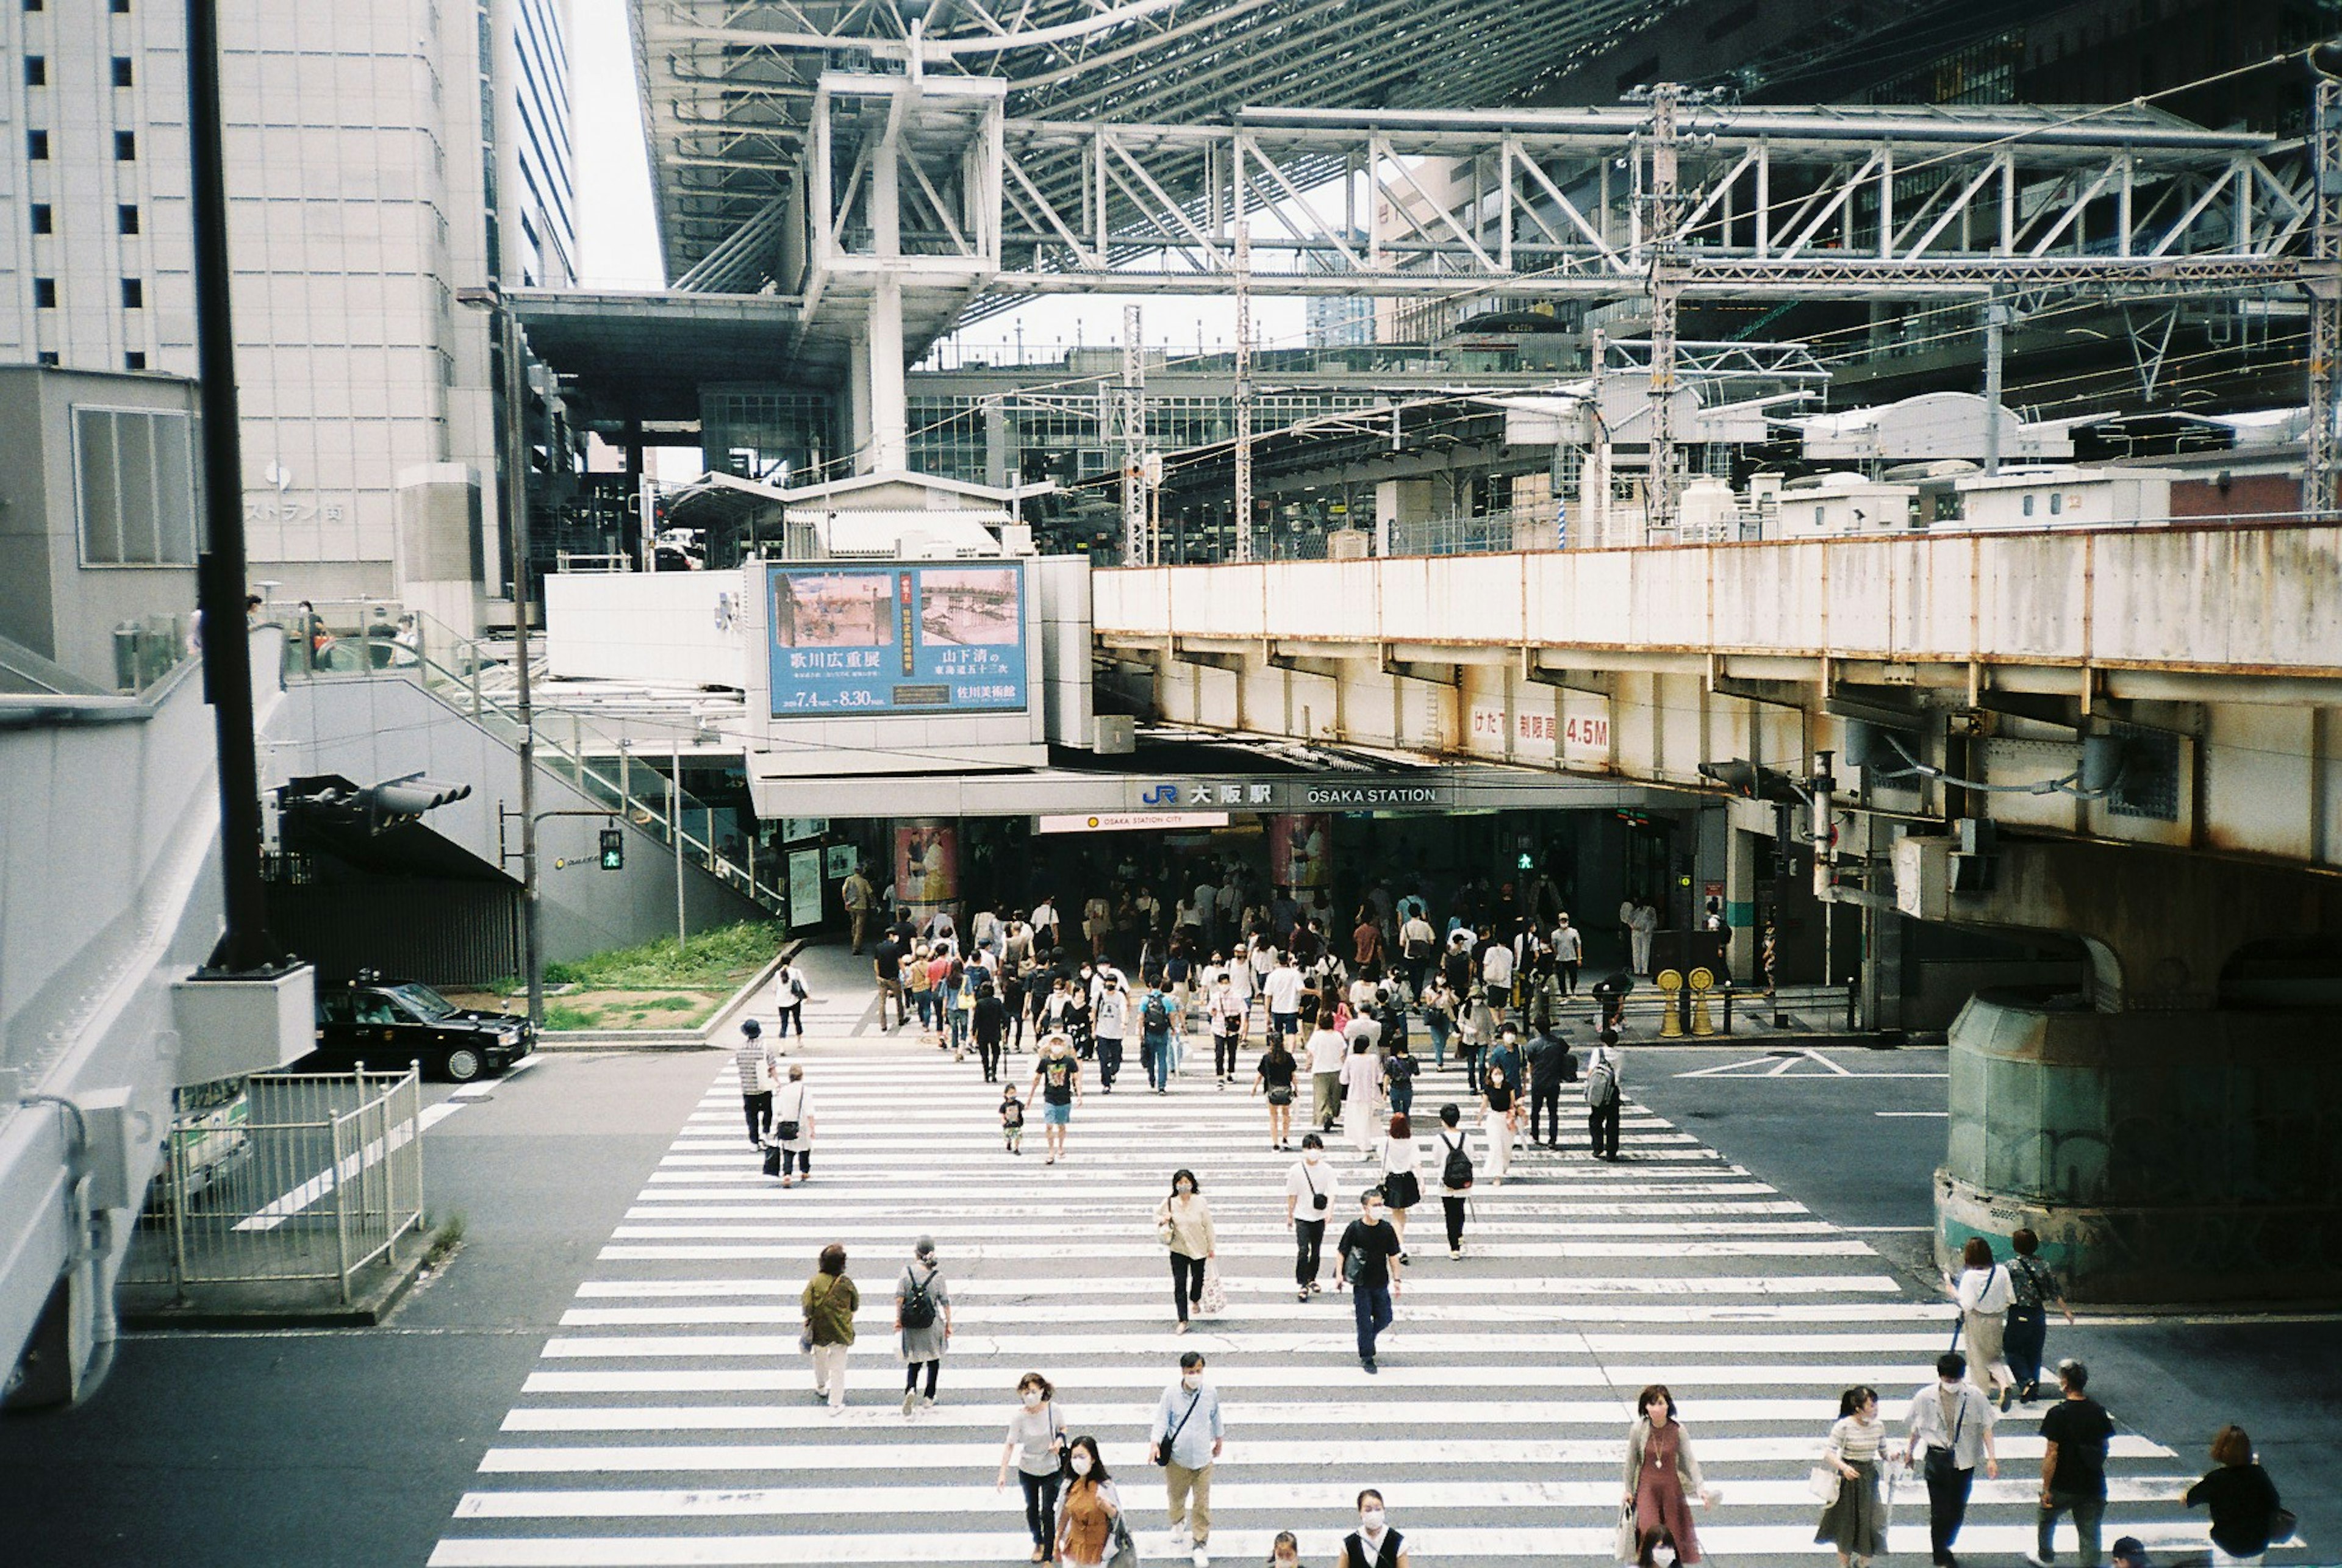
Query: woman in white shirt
x: 1983, y: 1292
x: 1855, y: 1522
x: 1402, y: 1177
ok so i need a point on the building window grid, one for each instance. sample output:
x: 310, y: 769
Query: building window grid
x: 135, y: 492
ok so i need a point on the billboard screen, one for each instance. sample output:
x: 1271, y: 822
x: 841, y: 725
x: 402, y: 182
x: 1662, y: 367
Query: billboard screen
x: 872, y: 641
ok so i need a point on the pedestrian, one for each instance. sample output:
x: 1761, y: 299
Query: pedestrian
x: 1013, y: 1003
x: 1568, y: 953
x: 792, y: 1126
x: 1370, y: 1266
x: 1854, y: 1521
x: 1362, y: 1082
x: 1097, y: 926
x: 1229, y: 1008
x: 1327, y: 1050
x: 1417, y: 942
x: 1374, y: 1543
x: 1439, y: 1017
x: 1282, y: 987
x: 1543, y: 996
x: 1036, y: 1446
x: 1085, y: 1523
x: 1058, y: 1083
x: 2243, y: 1500
x: 1401, y: 1168
x: 1984, y: 1294
x: 1158, y: 1023
x: 1504, y: 1056
x: 757, y: 1068
x: 1183, y: 1223
x: 1012, y: 1120
x: 1455, y: 1176
x: 1950, y: 1429
x: 918, y: 979
x: 2130, y: 1551
x: 989, y: 1021
x: 2075, y: 1432
x: 886, y: 968
x: 1277, y: 1069
x: 1551, y: 1066
x: 789, y: 1000
x: 1186, y: 1441
x: 963, y: 981
x: 1646, y: 926
x: 1046, y: 933
x: 1367, y: 939
x: 1499, y: 1118
x: 1497, y: 971
x: 2033, y: 1287
x: 829, y: 1302
x: 1284, y: 1552
x: 1110, y: 1023
x: 1309, y: 1194
x: 923, y: 1316
x: 1604, y: 1097
x: 1662, y: 1479
x: 1398, y: 1074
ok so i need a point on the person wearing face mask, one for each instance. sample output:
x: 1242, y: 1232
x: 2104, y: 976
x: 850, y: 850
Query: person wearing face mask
x: 1309, y: 1197
x: 1037, y: 1445
x: 1186, y: 1441
x: 1370, y: 1250
x: 1086, y: 1522
x: 1374, y: 1543
x: 1057, y: 1085
x: 1184, y: 1224
x: 1662, y: 1479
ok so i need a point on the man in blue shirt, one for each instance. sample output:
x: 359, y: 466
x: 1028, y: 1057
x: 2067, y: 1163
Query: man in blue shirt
x: 1506, y: 1057
x: 1187, y: 1425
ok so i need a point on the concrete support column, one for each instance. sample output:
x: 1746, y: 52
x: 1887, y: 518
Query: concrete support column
x: 1740, y: 906
x: 2160, y: 1157
x: 887, y: 448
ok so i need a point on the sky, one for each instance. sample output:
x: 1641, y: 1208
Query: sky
x: 618, y: 240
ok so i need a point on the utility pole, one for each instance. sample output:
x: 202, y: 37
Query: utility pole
x: 1665, y: 286
x: 1244, y: 366
x: 2322, y: 454
x: 1130, y: 416
x: 243, y: 946
x: 513, y: 471
x: 1996, y: 325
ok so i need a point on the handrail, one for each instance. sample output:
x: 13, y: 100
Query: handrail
x: 446, y: 661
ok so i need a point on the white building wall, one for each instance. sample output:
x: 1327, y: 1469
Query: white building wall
x: 354, y: 159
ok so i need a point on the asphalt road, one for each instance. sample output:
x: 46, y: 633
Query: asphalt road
x: 353, y: 1446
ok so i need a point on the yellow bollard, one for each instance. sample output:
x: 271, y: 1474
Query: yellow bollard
x: 1702, y: 1022
x: 1670, y: 984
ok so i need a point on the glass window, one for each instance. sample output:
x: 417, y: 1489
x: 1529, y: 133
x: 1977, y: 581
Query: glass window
x: 2028, y: 505
x: 137, y: 487
x: 134, y: 294
x: 37, y: 71
x: 123, y: 76
x: 44, y: 293
x: 36, y: 146
x: 43, y: 219
x: 134, y: 360
x: 126, y: 218
x: 125, y: 146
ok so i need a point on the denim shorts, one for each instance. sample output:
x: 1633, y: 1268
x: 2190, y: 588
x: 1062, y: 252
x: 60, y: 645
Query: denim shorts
x: 1056, y: 1115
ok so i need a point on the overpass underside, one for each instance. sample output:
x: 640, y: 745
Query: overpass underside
x: 2120, y: 737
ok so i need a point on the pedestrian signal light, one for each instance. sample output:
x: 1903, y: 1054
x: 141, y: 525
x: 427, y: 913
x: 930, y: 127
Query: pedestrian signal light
x: 614, y: 849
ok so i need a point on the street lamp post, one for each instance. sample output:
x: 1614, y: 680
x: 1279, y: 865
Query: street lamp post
x: 513, y: 473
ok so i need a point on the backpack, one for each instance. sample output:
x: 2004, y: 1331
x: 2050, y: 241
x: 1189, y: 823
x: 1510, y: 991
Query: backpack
x: 1455, y: 1171
x: 1601, y: 1082
x: 1158, y: 1014
x: 918, y: 1305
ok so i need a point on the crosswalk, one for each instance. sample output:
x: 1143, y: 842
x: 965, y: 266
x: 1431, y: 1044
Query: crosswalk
x: 671, y: 1421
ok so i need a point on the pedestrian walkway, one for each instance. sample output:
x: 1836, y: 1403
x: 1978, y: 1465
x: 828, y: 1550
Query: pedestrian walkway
x: 671, y: 1419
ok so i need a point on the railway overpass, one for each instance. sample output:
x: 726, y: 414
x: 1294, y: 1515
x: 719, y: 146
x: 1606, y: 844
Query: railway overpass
x: 2122, y: 735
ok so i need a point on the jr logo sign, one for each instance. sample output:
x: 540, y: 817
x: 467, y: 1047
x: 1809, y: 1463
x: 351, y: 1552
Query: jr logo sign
x: 1161, y: 794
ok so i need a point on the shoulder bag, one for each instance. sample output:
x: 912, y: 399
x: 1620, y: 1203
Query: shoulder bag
x: 786, y: 1132
x: 1942, y: 1459
x: 805, y: 1336
x: 1121, y: 1551
x: 1162, y: 1449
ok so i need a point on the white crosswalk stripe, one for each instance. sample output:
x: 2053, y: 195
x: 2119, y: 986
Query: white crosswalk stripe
x: 670, y: 1420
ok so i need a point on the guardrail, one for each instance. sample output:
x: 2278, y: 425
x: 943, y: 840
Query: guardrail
x: 294, y: 1182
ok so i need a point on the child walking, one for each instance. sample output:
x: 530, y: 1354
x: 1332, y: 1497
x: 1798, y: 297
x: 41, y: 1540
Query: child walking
x: 1012, y: 1120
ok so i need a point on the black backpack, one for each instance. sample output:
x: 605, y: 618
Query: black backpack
x: 1455, y: 1172
x: 918, y: 1305
x: 1158, y: 1011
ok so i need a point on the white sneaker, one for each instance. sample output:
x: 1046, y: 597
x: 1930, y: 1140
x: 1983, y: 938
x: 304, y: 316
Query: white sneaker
x: 1202, y: 1558
x: 1179, y: 1533
x: 910, y: 1402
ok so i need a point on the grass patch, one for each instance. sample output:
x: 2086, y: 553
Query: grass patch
x: 670, y: 1004
x: 560, y: 1017
x: 714, y: 960
x: 444, y: 1241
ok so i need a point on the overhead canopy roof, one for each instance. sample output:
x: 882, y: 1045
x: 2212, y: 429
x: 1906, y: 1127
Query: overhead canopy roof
x: 727, y: 85
x: 645, y: 355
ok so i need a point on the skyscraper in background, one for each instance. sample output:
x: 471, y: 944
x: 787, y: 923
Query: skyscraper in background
x: 379, y: 157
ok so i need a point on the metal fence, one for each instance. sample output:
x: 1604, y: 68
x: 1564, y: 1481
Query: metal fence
x: 287, y: 1188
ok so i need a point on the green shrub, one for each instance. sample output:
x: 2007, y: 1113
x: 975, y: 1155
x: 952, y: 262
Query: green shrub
x: 557, y: 1016
x: 713, y: 961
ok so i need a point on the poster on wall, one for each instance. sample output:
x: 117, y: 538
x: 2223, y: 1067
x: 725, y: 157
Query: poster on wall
x: 804, y: 888
x: 926, y: 864
x: 839, y: 861
x: 875, y: 640
x: 1298, y: 850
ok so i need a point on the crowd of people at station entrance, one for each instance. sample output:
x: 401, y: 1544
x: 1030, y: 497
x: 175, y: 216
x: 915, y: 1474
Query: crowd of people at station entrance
x: 1491, y: 981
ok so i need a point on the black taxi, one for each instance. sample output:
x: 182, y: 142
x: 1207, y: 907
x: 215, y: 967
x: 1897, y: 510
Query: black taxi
x: 388, y: 1025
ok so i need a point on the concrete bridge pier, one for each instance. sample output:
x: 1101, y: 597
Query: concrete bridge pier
x: 2174, y: 1132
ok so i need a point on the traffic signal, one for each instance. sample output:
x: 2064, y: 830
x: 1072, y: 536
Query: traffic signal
x: 614, y: 849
